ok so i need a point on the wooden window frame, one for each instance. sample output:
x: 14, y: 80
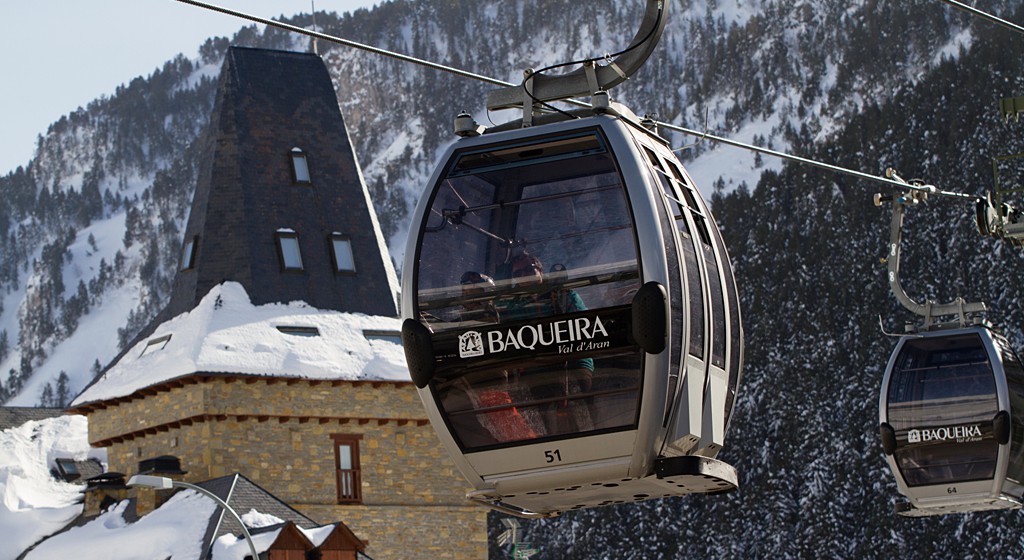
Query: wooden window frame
x: 351, y: 478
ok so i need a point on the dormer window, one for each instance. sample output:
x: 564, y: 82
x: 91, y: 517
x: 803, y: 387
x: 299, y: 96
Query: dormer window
x: 298, y: 330
x: 341, y: 253
x: 155, y: 344
x: 394, y: 337
x: 288, y: 249
x: 68, y: 470
x: 300, y: 167
x: 188, y: 253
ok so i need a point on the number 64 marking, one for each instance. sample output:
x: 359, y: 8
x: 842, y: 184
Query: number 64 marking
x: 553, y: 456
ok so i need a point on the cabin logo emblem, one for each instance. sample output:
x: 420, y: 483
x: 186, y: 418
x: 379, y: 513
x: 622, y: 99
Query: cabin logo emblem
x: 471, y: 344
x: 959, y: 434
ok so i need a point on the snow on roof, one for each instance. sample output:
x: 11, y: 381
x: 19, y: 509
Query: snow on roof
x: 256, y: 519
x: 226, y: 333
x: 235, y: 547
x: 34, y: 504
x: 174, y: 530
x: 232, y: 547
x: 318, y: 535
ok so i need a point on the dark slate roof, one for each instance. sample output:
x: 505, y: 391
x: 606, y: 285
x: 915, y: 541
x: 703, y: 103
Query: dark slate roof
x: 77, y: 471
x: 13, y: 416
x: 268, y: 103
x: 244, y: 495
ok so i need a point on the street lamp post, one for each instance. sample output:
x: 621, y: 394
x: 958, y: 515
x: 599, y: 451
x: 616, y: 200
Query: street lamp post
x: 164, y: 483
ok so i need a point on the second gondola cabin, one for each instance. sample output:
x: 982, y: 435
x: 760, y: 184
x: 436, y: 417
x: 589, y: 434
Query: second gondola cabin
x: 952, y: 422
x: 572, y: 321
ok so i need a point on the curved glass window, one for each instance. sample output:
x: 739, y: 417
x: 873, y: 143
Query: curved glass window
x: 1014, y: 372
x: 527, y: 267
x: 941, y: 403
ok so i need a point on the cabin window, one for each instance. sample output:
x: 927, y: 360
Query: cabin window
x: 188, y: 253
x: 735, y: 342
x: 288, y: 249
x: 673, y: 189
x: 561, y: 201
x: 346, y: 464
x: 300, y: 167
x: 948, y: 377
x: 536, y: 239
x: 341, y: 253
x: 698, y: 213
x: 1015, y: 385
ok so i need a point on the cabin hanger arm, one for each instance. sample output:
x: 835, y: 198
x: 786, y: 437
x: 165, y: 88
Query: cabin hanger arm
x: 581, y: 82
x: 929, y: 310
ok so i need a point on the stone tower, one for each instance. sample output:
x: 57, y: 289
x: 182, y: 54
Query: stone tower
x: 278, y: 356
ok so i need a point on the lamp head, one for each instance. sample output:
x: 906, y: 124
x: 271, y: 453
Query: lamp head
x: 147, y: 481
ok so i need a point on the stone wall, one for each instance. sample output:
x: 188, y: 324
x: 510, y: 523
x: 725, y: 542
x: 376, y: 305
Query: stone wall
x: 279, y: 434
x: 412, y: 533
x: 180, y: 400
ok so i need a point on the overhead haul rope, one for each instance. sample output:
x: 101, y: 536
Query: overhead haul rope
x: 347, y: 43
x: 494, y: 81
x: 985, y: 15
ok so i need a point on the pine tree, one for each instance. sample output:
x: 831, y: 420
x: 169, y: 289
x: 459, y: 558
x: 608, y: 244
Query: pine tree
x: 63, y: 395
x: 46, y: 399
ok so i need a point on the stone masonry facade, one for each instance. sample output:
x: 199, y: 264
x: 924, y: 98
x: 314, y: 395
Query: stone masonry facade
x: 280, y: 434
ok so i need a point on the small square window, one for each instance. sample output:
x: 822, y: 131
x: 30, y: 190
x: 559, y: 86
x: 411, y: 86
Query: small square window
x: 300, y: 167
x: 288, y: 249
x: 341, y: 252
x: 188, y: 253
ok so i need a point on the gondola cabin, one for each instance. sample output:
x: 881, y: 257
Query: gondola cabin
x: 951, y: 422
x: 572, y: 322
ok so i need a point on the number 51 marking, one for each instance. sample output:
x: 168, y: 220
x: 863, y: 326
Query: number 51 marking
x: 553, y: 456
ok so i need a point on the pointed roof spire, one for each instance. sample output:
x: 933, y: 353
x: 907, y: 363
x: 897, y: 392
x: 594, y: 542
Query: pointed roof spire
x: 280, y: 205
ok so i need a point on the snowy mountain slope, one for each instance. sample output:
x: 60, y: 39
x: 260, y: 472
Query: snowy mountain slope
x: 863, y: 84
x: 756, y: 67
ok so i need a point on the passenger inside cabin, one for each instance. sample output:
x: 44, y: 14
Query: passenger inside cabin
x: 480, y: 406
x: 558, y: 388
x: 478, y: 299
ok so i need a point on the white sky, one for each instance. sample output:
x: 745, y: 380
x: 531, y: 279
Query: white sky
x: 58, y: 55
